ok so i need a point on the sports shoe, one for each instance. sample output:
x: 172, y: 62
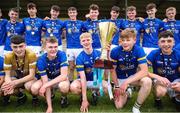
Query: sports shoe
x: 135, y: 110
x: 94, y: 98
x: 177, y: 104
x: 6, y: 100
x: 35, y: 101
x: 21, y: 100
x: 129, y: 92
x: 64, y: 102
x: 158, y: 104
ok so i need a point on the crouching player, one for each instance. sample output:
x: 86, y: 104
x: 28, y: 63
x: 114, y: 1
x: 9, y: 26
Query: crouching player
x: 165, y: 62
x: 53, y: 68
x: 19, y: 66
x: 84, y: 65
x: 130, y: 68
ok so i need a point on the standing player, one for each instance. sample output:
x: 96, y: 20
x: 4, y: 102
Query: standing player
x: 133, y: 23
x: 52, y: 67
x: 13, y: 27
x: 3, y: 23
x: 19, y: 66
x: 73, y: 29
x: 172, y: 24
x: 130, y: 68
x: 152, y: 26
x: 33, y: 27
x: 84, y: 65
x: 91, y: 25
x: 166, y: 69
x: 53, y: 26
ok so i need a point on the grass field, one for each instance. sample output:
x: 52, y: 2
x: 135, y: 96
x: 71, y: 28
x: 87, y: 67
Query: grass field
x: 104, y: 105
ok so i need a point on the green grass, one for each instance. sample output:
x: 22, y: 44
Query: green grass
x: 104, y: 105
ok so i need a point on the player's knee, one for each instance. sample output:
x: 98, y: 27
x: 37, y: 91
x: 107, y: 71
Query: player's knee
x: 160, y: 91
x: 75, y: 89
x: 146, y: 82
x: 64, y: 87
x: 35, y: 89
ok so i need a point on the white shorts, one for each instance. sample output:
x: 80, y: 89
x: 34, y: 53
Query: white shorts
x: 148, y: 50
x: 2, y: 51
x: 73, y: 53
x: 35, y: 49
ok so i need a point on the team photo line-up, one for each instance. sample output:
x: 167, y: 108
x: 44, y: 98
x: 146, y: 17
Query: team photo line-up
x: 143, y: 52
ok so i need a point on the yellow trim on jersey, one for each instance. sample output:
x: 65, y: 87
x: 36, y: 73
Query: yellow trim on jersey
x: 34, y: 63
x: 7, y: 65
x: 64, y: 63
x: 113, y: 60
x: 79, y: 66
x: 141, y: 58
x: 149, y: 62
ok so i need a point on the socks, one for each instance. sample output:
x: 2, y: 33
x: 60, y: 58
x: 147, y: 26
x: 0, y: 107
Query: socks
x: 137, y: 105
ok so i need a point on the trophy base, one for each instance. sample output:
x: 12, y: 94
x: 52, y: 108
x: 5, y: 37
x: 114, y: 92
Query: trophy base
x: 104, y: 64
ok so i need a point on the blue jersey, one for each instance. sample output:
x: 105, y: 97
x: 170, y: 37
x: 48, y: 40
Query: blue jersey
x: 33, y: 31
x: 73, y: 32
x: 165, y: 65
x: 151, y: 27
x: 3, y: 23
x: 84, y: 62
x: 118, y: 22
x: 53, y: 28
x: 127, y: 62
x: 51, y: 68
x: 12, y: 29
x: 2, y: 73
x: 92, y: 27
x: 136, y: 25
x: 174, y: 27
x: 177, y: 47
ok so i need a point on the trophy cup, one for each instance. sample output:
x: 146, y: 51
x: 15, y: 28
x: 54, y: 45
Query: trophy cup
x: 106, y: 31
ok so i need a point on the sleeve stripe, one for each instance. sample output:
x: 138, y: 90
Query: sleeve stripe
x: 34, y: 63
x: 79, y: 66
x: 113, y: 60
x: 7, y: 65
x: 64, y: 63
x: 143, y: 58
x: 42, y: 71
x: 149, y: 62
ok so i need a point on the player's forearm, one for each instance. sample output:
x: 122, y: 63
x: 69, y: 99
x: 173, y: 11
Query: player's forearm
x: 84, y: 89
x: 48, y: 97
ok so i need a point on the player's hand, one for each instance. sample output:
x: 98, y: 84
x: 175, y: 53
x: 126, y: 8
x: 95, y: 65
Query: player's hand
x: 49, y: 110
x: 140, y: 19
x: 46, y: 18
x: 123, y: 88
x: 84, y: 106
x: 164, y: 81
x: 165, y: 20
x: 176, y: 86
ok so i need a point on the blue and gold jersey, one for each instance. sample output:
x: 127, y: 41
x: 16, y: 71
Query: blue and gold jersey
x: 84, y: 62
x: 33, y: 28
x: 53, y: 28
x: 2, y: 73
x: 136, y: 25
x: 165, y: 65
x: 127, y: 61
x: 151, y: 27
x: 174, y: 27
x: 51, y: 68
x: 12, y: 29
x: 73, y: 32
x: 92, y: 27
x: 3, y: 23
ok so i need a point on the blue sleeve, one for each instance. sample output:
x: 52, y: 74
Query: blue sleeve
x: 63, y: 60
x: 2, y: 73
x: 141, y: 56
x: 41, y: 66
x: 79, y: 64
x: 113, y: 56
x: 150, y: 58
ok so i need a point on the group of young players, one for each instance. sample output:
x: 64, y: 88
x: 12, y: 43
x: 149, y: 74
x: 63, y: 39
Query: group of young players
x: 34, y: 60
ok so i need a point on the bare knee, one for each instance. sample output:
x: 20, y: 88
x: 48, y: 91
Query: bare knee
x: 64, y: 86
x: 28, y: 85
x: 35, y: 87
x: 160, y: 91
x: 146, y: 82
x: 75, y: 88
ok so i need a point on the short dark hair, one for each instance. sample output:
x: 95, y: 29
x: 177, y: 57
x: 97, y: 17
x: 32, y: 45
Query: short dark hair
x: 166, y: 34
x: 72, y: 9
x: 55, y: 7
x: 93, y: 7
x: 31, y: 5
x: 17, y: 39
x: 116, y: 9
x: 150, y: 6
x: 14, y: 9
x: 131, y: 8
x: 51, y: 39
